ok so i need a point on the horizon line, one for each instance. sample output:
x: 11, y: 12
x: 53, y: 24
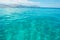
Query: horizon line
x: 33, y: 7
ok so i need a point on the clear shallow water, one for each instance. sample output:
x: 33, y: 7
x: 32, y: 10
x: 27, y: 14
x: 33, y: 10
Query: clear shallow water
x: 29, y: 24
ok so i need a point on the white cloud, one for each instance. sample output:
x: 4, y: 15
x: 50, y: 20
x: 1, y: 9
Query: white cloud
x: 19, y: 2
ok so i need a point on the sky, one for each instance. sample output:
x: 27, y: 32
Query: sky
x: 41, y: 3
x: 20, y: 2
x: 48, y: 3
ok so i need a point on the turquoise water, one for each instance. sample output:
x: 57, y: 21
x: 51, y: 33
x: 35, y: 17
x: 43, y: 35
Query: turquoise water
x: 29, y: 24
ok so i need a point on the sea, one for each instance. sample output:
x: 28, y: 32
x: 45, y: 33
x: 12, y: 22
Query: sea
x: 29, y: 23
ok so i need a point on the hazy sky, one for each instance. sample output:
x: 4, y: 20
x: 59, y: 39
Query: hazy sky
x: 20, y: 2
x: 43, y: 3
x: 48, y: 3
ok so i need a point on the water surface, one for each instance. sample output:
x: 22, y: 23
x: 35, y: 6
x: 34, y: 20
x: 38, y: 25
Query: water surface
x: 29, y: 24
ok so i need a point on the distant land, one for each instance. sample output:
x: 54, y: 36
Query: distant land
x: 23, y: 6
x: 18, y: 6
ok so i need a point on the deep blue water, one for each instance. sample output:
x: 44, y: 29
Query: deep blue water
x: 29, y: 24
